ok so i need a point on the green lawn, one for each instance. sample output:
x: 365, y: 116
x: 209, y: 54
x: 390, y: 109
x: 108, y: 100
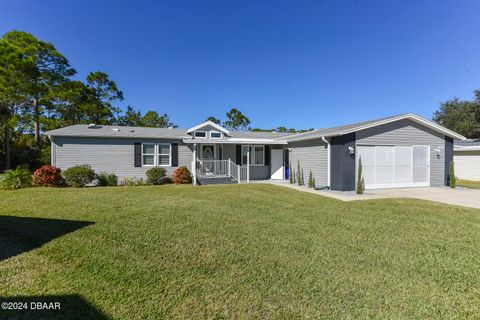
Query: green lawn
x: 468, y: 184
x: 237, y: 251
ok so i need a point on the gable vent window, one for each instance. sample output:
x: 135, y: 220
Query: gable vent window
x: 200, y: 134
x: 215, y: 135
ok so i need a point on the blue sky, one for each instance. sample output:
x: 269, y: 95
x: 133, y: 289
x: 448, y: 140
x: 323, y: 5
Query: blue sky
x: 302, y: 64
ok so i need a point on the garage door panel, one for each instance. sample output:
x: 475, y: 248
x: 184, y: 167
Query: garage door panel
x: 394, y: 166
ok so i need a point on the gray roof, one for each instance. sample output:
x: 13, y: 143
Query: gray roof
x: 468, y: 143
x: 345, y: 129
x: 83, y: 130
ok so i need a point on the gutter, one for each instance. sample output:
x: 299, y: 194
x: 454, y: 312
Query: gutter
x: 328, y: 160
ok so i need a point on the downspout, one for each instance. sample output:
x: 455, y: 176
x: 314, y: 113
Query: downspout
x: 328, y: 160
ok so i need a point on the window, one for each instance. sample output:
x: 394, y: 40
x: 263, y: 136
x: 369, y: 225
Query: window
x: 148, y: 154
x: 200, y: 134
x: 156, y: 154
x: 164, y: 154
x: 215, y: 135
x: 244, y: 155
x: 259, y: 155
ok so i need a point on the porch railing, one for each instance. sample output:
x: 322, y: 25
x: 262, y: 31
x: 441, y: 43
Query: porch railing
x: 221, y: 168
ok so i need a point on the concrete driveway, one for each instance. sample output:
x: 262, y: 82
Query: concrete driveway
x: 459, y: 197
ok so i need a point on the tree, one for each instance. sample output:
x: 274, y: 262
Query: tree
x: 213, y: 119
x: 360, y: 177
x: 47, y: 68
x: 154, y: 120
x: 236, y: 120
x: 101, y: 93
x: 462, y: 116
x: 13, y: 77
x: 131, y: 118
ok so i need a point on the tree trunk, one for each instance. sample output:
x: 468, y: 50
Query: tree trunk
x: 7, y: 141
x: 36, y: 121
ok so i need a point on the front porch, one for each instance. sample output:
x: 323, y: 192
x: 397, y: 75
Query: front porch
x: 223, y: 163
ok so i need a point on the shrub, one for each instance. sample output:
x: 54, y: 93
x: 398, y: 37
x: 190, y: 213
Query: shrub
x: 79, y: 176
x: 182, y: 176
x: 310, y: 179
x: 156, y: 175
x: 16, y: 179
x: 360, y: 177
x: 47, y: 176
x: 290, y: 175
x: 299, y: 174
x: 133, y: 181
x: 106, y: 179
x: 451, y: 176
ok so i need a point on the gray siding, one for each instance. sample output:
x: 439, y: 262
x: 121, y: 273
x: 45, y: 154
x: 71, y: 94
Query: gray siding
x: 407, y: 133
x: 342, y: 170
x: 313, y: 155
x: 448, y: 159
x: 110, y: 154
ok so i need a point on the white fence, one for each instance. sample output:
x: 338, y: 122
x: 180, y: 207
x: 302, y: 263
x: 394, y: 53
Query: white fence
x: 221, y: 168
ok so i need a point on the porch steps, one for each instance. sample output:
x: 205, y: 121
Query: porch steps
x: 219, y: 180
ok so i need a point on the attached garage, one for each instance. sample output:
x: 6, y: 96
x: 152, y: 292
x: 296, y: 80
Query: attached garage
x: 467, y: 160
x: 386, y: 166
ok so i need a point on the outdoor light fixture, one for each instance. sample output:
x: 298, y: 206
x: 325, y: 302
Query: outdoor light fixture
x: 438, y: 151
x: 351, y: 150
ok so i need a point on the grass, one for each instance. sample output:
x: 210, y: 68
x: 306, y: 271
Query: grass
x: 240, y: 251
x: 468, y: 184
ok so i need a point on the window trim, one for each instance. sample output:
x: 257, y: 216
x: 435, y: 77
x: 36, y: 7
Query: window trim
x: 156, y: 154
x: 255, y: 158
x: 195, y: 134
x: 149, y: 154
x: 216, y: 138
x: 252, y: 155
x: 164, y: 154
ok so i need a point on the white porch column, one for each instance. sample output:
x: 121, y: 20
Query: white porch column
x: 194, y: 164
x: 248, y: 163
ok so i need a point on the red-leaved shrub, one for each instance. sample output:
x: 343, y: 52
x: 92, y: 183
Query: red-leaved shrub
x: 47, y: 176
x: 182, y: 176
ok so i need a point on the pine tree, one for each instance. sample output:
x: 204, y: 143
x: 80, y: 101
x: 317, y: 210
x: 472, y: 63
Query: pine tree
x: 310, y: 179
x: 451, y: 176
x: 360, y: 177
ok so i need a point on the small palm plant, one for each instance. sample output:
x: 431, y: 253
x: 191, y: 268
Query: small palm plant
x: 16, y: 179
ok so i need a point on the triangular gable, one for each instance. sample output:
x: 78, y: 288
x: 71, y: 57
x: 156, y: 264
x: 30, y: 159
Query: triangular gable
x: 208, y: 123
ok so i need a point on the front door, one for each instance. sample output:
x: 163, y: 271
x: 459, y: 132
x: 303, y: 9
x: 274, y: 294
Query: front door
x: 276, y: 164
x: 208, y: 154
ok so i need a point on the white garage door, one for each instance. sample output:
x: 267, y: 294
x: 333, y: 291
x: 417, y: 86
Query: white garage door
x: 394, y: 166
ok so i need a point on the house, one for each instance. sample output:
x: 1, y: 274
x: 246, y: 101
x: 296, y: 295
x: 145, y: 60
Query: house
x: 399, y: 151
x: 466, y: 156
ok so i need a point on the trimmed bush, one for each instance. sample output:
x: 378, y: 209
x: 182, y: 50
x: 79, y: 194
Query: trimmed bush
x: 290, y: 170
x: 452, y: 181
x: 106, y: 179
x: 182, y: 176
x: 48, y: 176
x: 156, y: 175
x: 360, y: 177
x: 310, y: 179
x: 16, y: 179
x: 133, y: 182
x: 79, y: 176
